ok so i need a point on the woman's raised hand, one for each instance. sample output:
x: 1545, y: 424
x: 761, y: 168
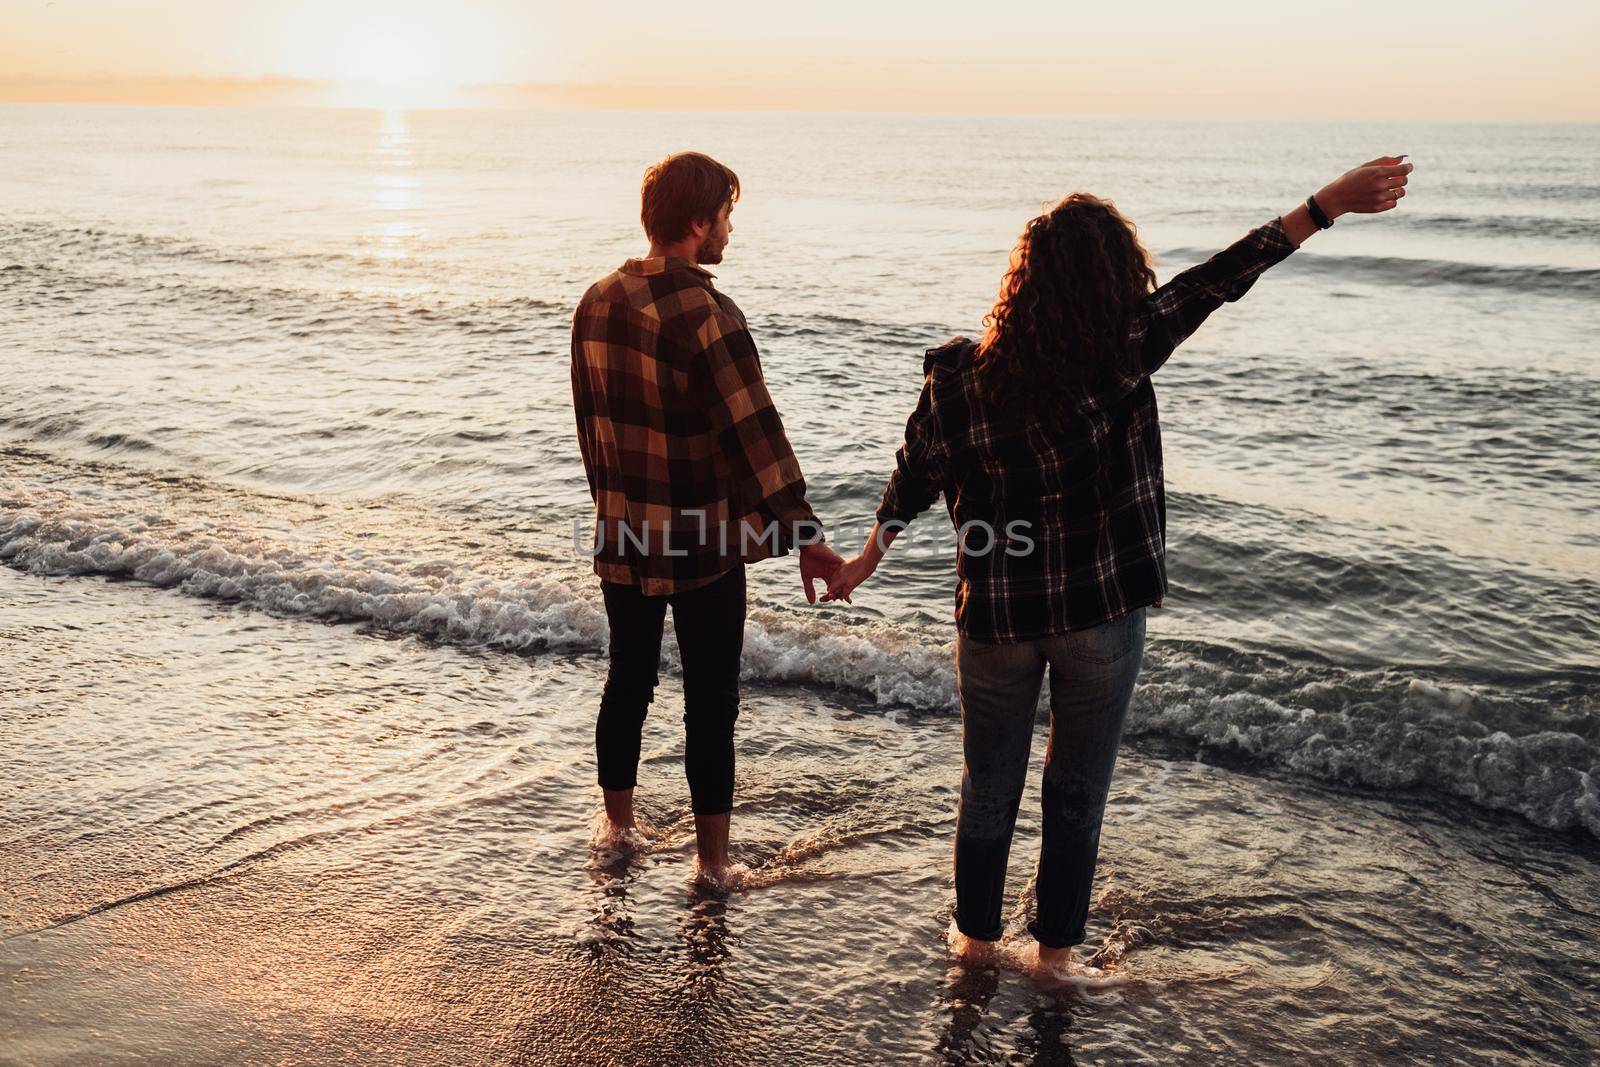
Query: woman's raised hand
x: 1377, y: 185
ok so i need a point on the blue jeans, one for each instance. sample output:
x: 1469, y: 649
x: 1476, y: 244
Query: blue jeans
x: 1092, y: 673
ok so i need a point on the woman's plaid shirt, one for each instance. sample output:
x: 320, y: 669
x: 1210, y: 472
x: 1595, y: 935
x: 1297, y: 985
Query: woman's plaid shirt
x: 688, y: 464
x: 1078, y: 514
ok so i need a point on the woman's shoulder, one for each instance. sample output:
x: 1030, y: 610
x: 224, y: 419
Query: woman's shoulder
x: 953, y: 355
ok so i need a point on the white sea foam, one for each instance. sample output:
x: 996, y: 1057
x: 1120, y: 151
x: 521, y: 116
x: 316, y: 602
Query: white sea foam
x: 1425, y: 741
x: 428, y: 597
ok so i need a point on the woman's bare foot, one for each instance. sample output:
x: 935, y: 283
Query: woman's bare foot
x: 721, y: 878
x: 969, y: 950
x: 1053, y: 959
x: 1053, y: 966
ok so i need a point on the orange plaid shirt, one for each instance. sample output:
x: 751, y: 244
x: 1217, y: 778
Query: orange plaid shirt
x: 688, y: 464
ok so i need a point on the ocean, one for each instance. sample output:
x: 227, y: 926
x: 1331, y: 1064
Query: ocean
x: 302, y: 662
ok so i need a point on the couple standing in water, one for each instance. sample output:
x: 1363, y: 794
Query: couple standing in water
x: 1042, y: 436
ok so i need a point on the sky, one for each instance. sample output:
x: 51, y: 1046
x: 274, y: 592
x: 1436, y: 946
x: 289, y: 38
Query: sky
x: 1425, y: 59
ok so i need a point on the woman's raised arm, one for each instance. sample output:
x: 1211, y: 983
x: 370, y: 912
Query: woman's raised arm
x: 1176, y: 310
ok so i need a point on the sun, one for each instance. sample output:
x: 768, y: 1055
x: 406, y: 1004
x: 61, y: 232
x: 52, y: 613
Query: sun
x: 401, y: 53
x: 397, y: 66
x: 392, y: 56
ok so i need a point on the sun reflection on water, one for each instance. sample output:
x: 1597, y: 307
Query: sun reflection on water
x: 395, y: 191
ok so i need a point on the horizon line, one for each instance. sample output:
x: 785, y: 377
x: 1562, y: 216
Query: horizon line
x: 269, y: 91
x: 777, y: 110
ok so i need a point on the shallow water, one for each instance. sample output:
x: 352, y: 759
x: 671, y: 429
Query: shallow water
x: 301, y: 665
x: 270, y: 840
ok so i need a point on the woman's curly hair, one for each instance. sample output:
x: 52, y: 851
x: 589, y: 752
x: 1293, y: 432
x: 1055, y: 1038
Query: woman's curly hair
x: 1059, y: 328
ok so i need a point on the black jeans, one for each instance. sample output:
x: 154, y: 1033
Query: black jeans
x: 709, y: 622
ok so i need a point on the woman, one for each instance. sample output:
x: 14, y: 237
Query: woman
x: 1044, y: 439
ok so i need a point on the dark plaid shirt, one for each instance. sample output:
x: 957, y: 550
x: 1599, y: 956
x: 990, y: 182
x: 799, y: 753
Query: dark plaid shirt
x: 1079, y: 512
x: 688, y: 464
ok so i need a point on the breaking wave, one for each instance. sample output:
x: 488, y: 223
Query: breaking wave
x: 1375, y: 729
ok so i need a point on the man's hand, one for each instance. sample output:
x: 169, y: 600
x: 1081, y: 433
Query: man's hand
x: 817, y: 561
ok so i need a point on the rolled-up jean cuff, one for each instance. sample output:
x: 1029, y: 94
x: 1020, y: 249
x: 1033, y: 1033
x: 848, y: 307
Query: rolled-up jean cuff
x: 1056, y: 942
x: 991, y: 935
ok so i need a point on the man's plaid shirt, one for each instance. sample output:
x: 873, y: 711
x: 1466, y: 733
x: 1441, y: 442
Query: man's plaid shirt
x: 688, y: 464
x: 1088, y: 496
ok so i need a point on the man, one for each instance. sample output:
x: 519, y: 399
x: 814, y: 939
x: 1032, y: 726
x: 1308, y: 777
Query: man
x: 692, y: 478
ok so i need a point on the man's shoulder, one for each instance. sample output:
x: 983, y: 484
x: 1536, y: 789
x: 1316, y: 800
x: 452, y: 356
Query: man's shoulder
x: 665, y: 297
x: 697, y: 311
x: 612, y: 289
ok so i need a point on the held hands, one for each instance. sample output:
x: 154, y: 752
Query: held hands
x: 847, y: 576
x: 1375, y: 186
x: 817, y: 561
x: 850, y: 575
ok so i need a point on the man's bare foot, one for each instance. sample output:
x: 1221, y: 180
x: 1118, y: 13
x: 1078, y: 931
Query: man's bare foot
x: 612, y: 841
x: 619, y: 807
x: 969, y: 950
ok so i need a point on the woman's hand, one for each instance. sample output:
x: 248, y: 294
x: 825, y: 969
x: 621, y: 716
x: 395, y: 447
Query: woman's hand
x: 1375, y: 186
x: 853, y: 572
x: 849, y: 575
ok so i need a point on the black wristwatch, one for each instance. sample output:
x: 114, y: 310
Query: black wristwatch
x: 1318, y: 216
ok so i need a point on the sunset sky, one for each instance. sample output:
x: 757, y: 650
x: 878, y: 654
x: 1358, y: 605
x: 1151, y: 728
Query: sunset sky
x: 1428, y: 59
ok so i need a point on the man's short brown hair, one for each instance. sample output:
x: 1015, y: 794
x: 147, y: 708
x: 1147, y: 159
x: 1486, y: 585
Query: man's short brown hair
x: 683, y: 188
